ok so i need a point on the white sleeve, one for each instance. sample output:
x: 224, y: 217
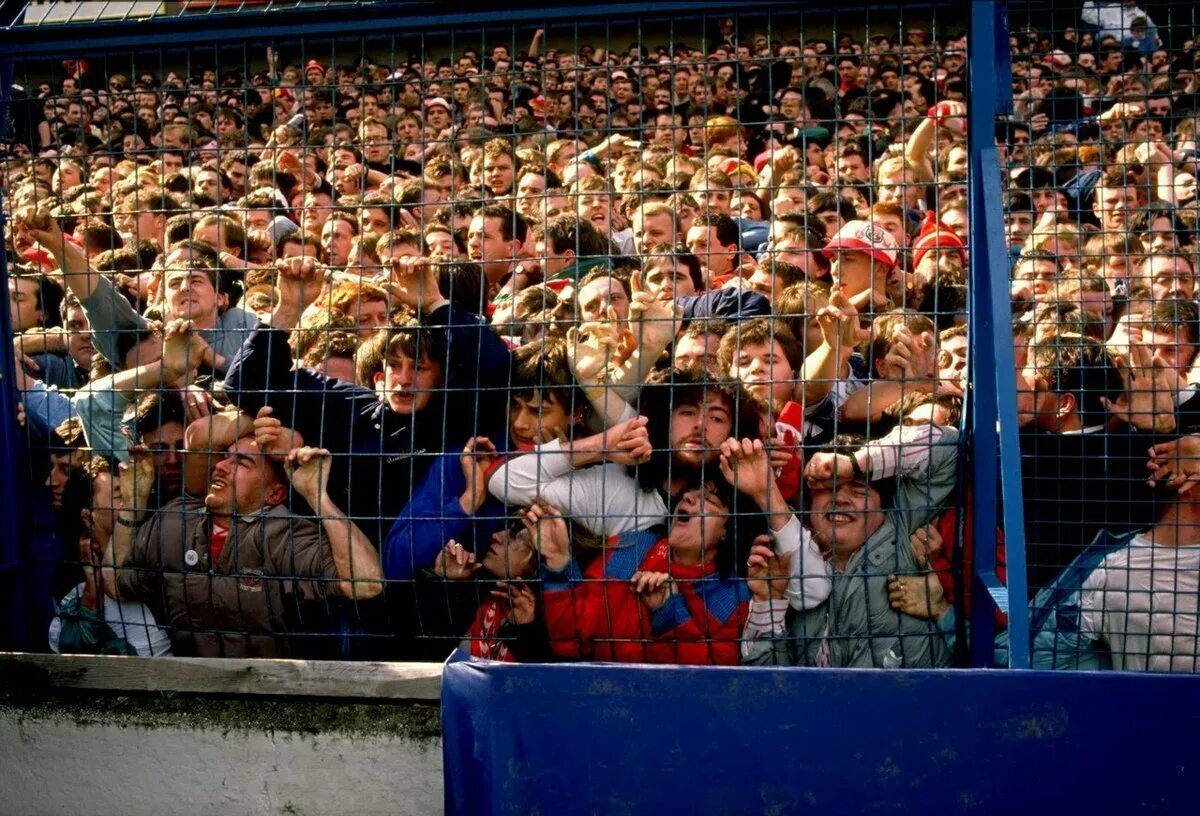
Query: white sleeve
x: 605, y: 499
x: 521, y: 479
x: 811, y: 579
x: 766, y: 619
x: 903, y: 452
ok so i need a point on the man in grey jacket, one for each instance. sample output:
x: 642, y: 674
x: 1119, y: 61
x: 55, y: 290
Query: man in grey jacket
x: 864, y: 500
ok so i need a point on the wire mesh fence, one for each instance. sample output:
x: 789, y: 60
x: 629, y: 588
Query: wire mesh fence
x: 1100, y: 222
x: 642, y: 339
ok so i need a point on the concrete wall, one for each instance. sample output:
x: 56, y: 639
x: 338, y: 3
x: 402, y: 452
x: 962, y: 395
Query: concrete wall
x: 92, y: 753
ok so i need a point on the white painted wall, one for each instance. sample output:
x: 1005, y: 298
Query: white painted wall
x: 54, y: 764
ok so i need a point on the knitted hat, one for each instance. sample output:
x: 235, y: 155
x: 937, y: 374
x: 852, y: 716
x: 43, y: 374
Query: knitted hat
x: 864, y: 236
x: 936, y: 235
x: 313, y: 65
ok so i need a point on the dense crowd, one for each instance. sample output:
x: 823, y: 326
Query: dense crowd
x: 580, y: 353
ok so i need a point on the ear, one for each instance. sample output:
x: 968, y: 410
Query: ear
x: 1067, y: 405
x: 276, y: 495
x: 378, y: 378
x: 222, y: 301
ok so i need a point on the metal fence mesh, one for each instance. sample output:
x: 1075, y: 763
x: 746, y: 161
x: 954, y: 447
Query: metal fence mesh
x: 637, y: 340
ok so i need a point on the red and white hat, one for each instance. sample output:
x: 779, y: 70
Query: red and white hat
x: 864, y: 236
x: 936, y: 235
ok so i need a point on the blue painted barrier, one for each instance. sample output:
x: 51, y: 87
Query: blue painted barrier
x: 607, y: 739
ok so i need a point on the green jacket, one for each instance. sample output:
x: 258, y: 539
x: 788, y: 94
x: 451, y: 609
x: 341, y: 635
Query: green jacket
x: 857, y: 623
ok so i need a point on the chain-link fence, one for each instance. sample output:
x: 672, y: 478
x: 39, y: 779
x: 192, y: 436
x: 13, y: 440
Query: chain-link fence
x: 631, y: 336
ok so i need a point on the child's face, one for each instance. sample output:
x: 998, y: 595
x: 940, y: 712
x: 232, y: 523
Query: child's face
x: 537, y: 418
x: 510, y: 555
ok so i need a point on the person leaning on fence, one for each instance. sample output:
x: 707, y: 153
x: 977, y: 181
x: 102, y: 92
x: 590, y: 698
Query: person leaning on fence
x: 442, y: 382
x: 675, y: 595
x: 862, y: 504
x: 88, y: 620
x: 235, y: 574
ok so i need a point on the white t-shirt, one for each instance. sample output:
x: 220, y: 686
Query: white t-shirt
x: 130, y: 620
x: 1142, y: 601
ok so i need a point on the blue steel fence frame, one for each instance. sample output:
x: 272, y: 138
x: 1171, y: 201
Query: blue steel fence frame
x: 991, y: 414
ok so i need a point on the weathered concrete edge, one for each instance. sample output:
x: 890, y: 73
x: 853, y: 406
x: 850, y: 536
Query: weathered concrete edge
x: 199, y: 675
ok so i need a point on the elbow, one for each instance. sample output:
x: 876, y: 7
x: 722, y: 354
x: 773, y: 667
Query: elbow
x: 361, y: 589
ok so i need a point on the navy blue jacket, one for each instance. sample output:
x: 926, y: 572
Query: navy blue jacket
x: 379, y: 455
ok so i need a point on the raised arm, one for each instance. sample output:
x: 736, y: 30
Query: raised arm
x: 136, y: 479
x: 355, y: 561
x: 109, y: 313
x: 830, y: 362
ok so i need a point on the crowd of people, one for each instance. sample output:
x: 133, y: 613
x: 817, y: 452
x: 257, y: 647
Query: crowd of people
x: 581, y: 353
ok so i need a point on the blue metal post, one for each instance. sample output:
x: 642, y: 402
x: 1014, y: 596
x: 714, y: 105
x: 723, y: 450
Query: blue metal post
x: 13, y: 507
x: 992, y: 362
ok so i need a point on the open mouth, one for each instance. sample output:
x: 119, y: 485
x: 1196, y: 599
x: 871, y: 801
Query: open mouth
x: 839, y: 517
x: 218, y: 484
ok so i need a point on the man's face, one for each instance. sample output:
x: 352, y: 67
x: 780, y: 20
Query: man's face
x: 1161, y: 234
x: 831, y: 222
x: 166, y: 443
x: 530, y: 191
x: 594, y: 207
x: 190, y: 293
x: 597, y: 297
x: 372, y: 315
x: 62, y: 465
x: 1170, y: 277
x: 437, y: 118
x: 697, y: 431
x: 764, y: 370
x: 410, y: 384
x: 374, y: 221
x: 952, y: 360
x: 650, y: 231
x: 23, y: 306
x: 1017, y: 226
x: 79, y: 337
x: 146, y: 226
x: 440, y: 245
x: 956, y: 219
x: 713, y: 200
x: 667, y: 279
x: 853, y: 271
x: 376, y: 147
x: 208, y: 182
x: 1172, y: 349
x: 1112, y: 206
x: 1041, y: 274
x: 844, y: 517
x: 236, y: 172
x: 336, y: 238
x: 898, y: 188
x: 243, y: 482
x: 852, y: 169
x: 486, y: 246
x: 697, y: 351
x: 703, y: 243
x: 498, y: 174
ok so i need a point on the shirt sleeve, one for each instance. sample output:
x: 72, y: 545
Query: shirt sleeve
x: 110, y: 316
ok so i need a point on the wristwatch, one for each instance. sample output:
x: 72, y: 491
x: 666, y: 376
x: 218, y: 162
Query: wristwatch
x: 132, y: 525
